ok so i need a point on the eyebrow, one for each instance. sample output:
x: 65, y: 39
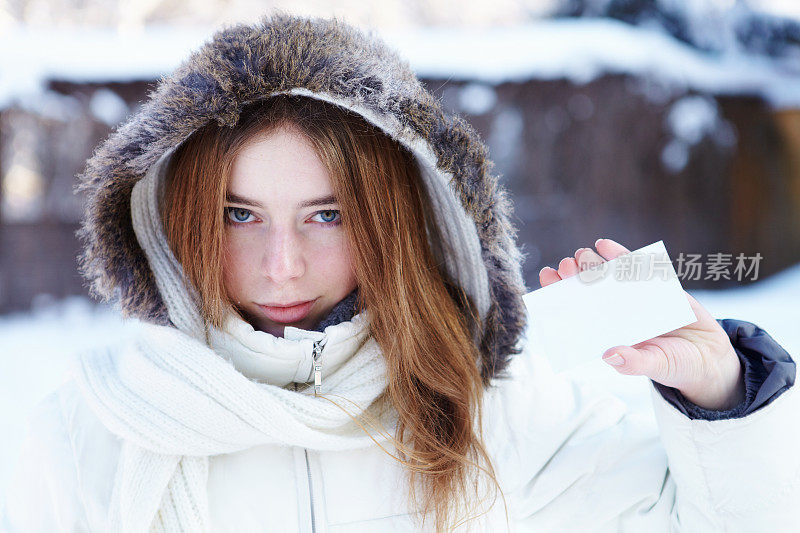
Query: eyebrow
x: 236, y: 199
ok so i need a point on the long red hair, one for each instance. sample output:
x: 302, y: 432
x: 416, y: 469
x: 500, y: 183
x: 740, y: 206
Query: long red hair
x: 424, y: 323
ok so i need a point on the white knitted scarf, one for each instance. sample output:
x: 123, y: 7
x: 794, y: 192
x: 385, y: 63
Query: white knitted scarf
x: 176, y: 400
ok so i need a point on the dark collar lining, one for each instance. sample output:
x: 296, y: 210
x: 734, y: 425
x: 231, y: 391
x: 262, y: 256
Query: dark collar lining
x: 341, y: 312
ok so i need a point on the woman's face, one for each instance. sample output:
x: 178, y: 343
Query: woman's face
x: 284, y: 242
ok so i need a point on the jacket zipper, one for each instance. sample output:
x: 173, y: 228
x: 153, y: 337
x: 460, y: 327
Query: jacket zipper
x: 316, y: 353
x: 310, y: 493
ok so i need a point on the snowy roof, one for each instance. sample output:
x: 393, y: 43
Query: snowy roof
x: 584, y: 49
x: 31, y: 57
x: 576, y: 49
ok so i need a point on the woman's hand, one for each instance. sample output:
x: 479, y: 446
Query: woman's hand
x: 698, y: 359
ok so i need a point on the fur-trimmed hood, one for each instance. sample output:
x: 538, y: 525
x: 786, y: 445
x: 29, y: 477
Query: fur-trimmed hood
x: 335, y: 62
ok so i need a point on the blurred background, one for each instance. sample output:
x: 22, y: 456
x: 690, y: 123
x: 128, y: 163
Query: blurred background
x: 636, y: 120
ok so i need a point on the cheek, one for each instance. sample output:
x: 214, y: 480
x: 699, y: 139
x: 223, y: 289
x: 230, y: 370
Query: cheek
x: 236, y: 256
x: 336, y: 260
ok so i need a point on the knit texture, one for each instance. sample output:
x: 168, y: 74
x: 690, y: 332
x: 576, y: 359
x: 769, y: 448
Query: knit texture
x: 183, y: 403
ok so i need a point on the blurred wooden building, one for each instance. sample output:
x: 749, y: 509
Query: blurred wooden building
x: 626, y: 153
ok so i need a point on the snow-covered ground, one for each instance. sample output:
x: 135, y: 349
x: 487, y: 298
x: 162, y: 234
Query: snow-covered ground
x: 36, y: 347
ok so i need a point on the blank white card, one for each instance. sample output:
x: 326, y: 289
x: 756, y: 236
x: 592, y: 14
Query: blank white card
x: 627, y: 300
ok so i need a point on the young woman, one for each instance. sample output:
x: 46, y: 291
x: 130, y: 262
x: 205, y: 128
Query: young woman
x: 330, y: 299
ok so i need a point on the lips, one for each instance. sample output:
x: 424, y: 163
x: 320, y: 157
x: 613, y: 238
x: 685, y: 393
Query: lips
x: 287, y: 314
x: 293, y: 304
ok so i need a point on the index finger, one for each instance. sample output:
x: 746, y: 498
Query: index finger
x: 610, y: 249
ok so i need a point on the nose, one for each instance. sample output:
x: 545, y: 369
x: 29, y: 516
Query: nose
x: 283, y: 256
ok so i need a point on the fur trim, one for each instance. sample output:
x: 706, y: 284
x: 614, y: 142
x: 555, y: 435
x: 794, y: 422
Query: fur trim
x: 320, y: 57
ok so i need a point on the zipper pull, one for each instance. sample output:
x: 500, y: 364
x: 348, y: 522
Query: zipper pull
x: 317, y: 352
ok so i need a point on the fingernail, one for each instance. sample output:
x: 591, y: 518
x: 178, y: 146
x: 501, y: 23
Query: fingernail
x: 578, y: 250
x: 614, y: 359
x: 598, y: 240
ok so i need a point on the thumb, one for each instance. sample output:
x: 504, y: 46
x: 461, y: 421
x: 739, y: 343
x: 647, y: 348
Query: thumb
x: 647, y: 360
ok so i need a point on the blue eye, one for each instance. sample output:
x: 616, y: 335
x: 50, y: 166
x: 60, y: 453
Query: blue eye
x: 329, y: 217
x: 237, y: 215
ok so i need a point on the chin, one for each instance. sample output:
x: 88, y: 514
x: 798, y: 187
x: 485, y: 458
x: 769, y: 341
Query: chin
x: 277, y: 329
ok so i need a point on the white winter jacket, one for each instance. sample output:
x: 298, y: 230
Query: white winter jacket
x: 568, y: 457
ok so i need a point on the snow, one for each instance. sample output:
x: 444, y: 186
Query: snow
x: 477, y: 98
x: 35, y: 351
x: 505, y: 131
x: 36, y: 347
x: 583, y: 49
x: 576, y: 49
x: 711, y: 24
x: 30, y: 56
x: 726, y: 26
x: 107, y: 106
x: 688, y: 121
x: 692, y: 117
x: 50, y: 105
x: 675, y: 155
x: 778, y: 8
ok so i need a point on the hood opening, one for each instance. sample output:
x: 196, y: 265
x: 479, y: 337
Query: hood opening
x: 328, y: 61
x: 459, y: 251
